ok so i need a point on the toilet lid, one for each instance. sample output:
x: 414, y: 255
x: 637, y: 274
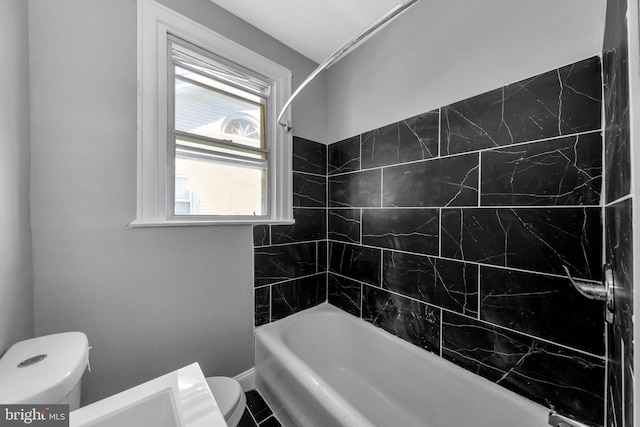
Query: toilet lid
x: 227, y: 393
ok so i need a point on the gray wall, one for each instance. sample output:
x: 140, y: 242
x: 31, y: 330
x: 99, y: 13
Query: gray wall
x: 151, y: 300
x: 16, y: 281
x: 444, y: 51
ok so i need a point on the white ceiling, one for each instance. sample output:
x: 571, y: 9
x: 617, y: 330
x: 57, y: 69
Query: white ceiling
x: 311, y: 27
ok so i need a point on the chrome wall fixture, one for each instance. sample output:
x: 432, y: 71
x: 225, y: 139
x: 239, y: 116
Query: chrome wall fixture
x: 597, y: 291
x: 342, y: 51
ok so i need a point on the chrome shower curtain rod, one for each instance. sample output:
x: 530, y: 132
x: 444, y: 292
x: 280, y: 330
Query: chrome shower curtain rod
x: 342, y: 51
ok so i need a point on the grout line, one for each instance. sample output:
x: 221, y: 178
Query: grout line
x: 440, y: 232
x: 292, y: 279
x: 270, y: 305
x: 479, y: 179
x: 381, y: 187
x: 444, y: 309
x: 469, y: 152
x: 309, y: 173
x: 361, y: 213
x: 479, y: 300
x: 477, y: 207
x: 501, y: 267
x: 439, y: 129
x: 441, y: 334
x: 621, y: 199
x: 381, y: 268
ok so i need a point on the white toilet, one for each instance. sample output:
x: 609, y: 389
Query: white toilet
x: 229, y: 397
x: 44, y: 370
x: 48, y: 370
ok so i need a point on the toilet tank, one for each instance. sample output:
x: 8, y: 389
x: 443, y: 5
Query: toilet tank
x: 44, y: 370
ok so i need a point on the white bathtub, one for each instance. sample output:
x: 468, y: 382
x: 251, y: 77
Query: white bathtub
x: 323, y: 367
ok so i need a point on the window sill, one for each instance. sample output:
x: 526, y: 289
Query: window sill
x: 138, y: 224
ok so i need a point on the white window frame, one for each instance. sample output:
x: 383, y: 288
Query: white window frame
x: 155, y: 177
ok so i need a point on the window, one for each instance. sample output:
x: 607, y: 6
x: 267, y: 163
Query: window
x: 209, y: 150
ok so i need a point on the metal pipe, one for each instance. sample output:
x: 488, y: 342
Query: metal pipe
x: 342, y: 51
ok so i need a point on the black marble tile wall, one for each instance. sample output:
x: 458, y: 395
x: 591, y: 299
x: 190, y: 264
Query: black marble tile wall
x: 540, y: 371
x: 560, y: 102
x: 290, y: 261
x: 459, y: 247
x: 618, y: 215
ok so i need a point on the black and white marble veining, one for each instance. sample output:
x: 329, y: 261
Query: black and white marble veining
x: 309, y: 156
x: 563, y: 171
x: 355, y: 262
x: 284, y: 262
x: 309, y: 190
x: 449, y: 284
x: 412, y: 139
x: 322, y: 256
x: 412, y: 230
x: 261, y: 235
x: 616, y: 102
x: 559, y: 102
x: 299, y: 294
x: 344, y: 225
x: 358, y: 189
x: 310, y: 224
x: 536, y: 239
x: 619, y: 250
x: 618, y: 217
x: 542, y: 306
x: 344, y: 156
x: 345, y: 294
x: 262, y: 305
x: 569, y: 382
x: 411, y: 320
x: 449, y: 181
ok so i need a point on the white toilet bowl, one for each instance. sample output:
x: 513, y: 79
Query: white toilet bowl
x: 229, y: 397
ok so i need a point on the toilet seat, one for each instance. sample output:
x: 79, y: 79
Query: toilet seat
x: 229, y: 397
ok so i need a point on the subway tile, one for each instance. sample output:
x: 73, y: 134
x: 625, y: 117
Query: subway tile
x: 542, y: 306
x: 310, y: 224
x: 344, y: 225
x: 309, y: 190
x: 356, y: 262
x: 411, y: 320
x: 412, y: 230
x: 359, y: 189
x: 412, y: 139
x: 345, y: 294
x: 449, y: 284
x: 291, y: 297
x: 563, y: 171
x: 535, y: 239
x: 261, y: 235
x: 560, y: 102
x: 569, y: 382
x: 262, y: 305
x: 309, y: 156
x: 284, y: 262
x: 344, y: 156
x: 449, y: 181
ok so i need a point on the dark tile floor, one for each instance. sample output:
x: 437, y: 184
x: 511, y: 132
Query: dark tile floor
x: 257, y: 412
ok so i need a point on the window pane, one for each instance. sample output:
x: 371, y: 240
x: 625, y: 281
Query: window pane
x: 208, y: 112
x: 222, y: 188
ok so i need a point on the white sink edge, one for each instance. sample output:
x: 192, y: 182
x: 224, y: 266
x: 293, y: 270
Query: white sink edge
x: 193, y: 402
